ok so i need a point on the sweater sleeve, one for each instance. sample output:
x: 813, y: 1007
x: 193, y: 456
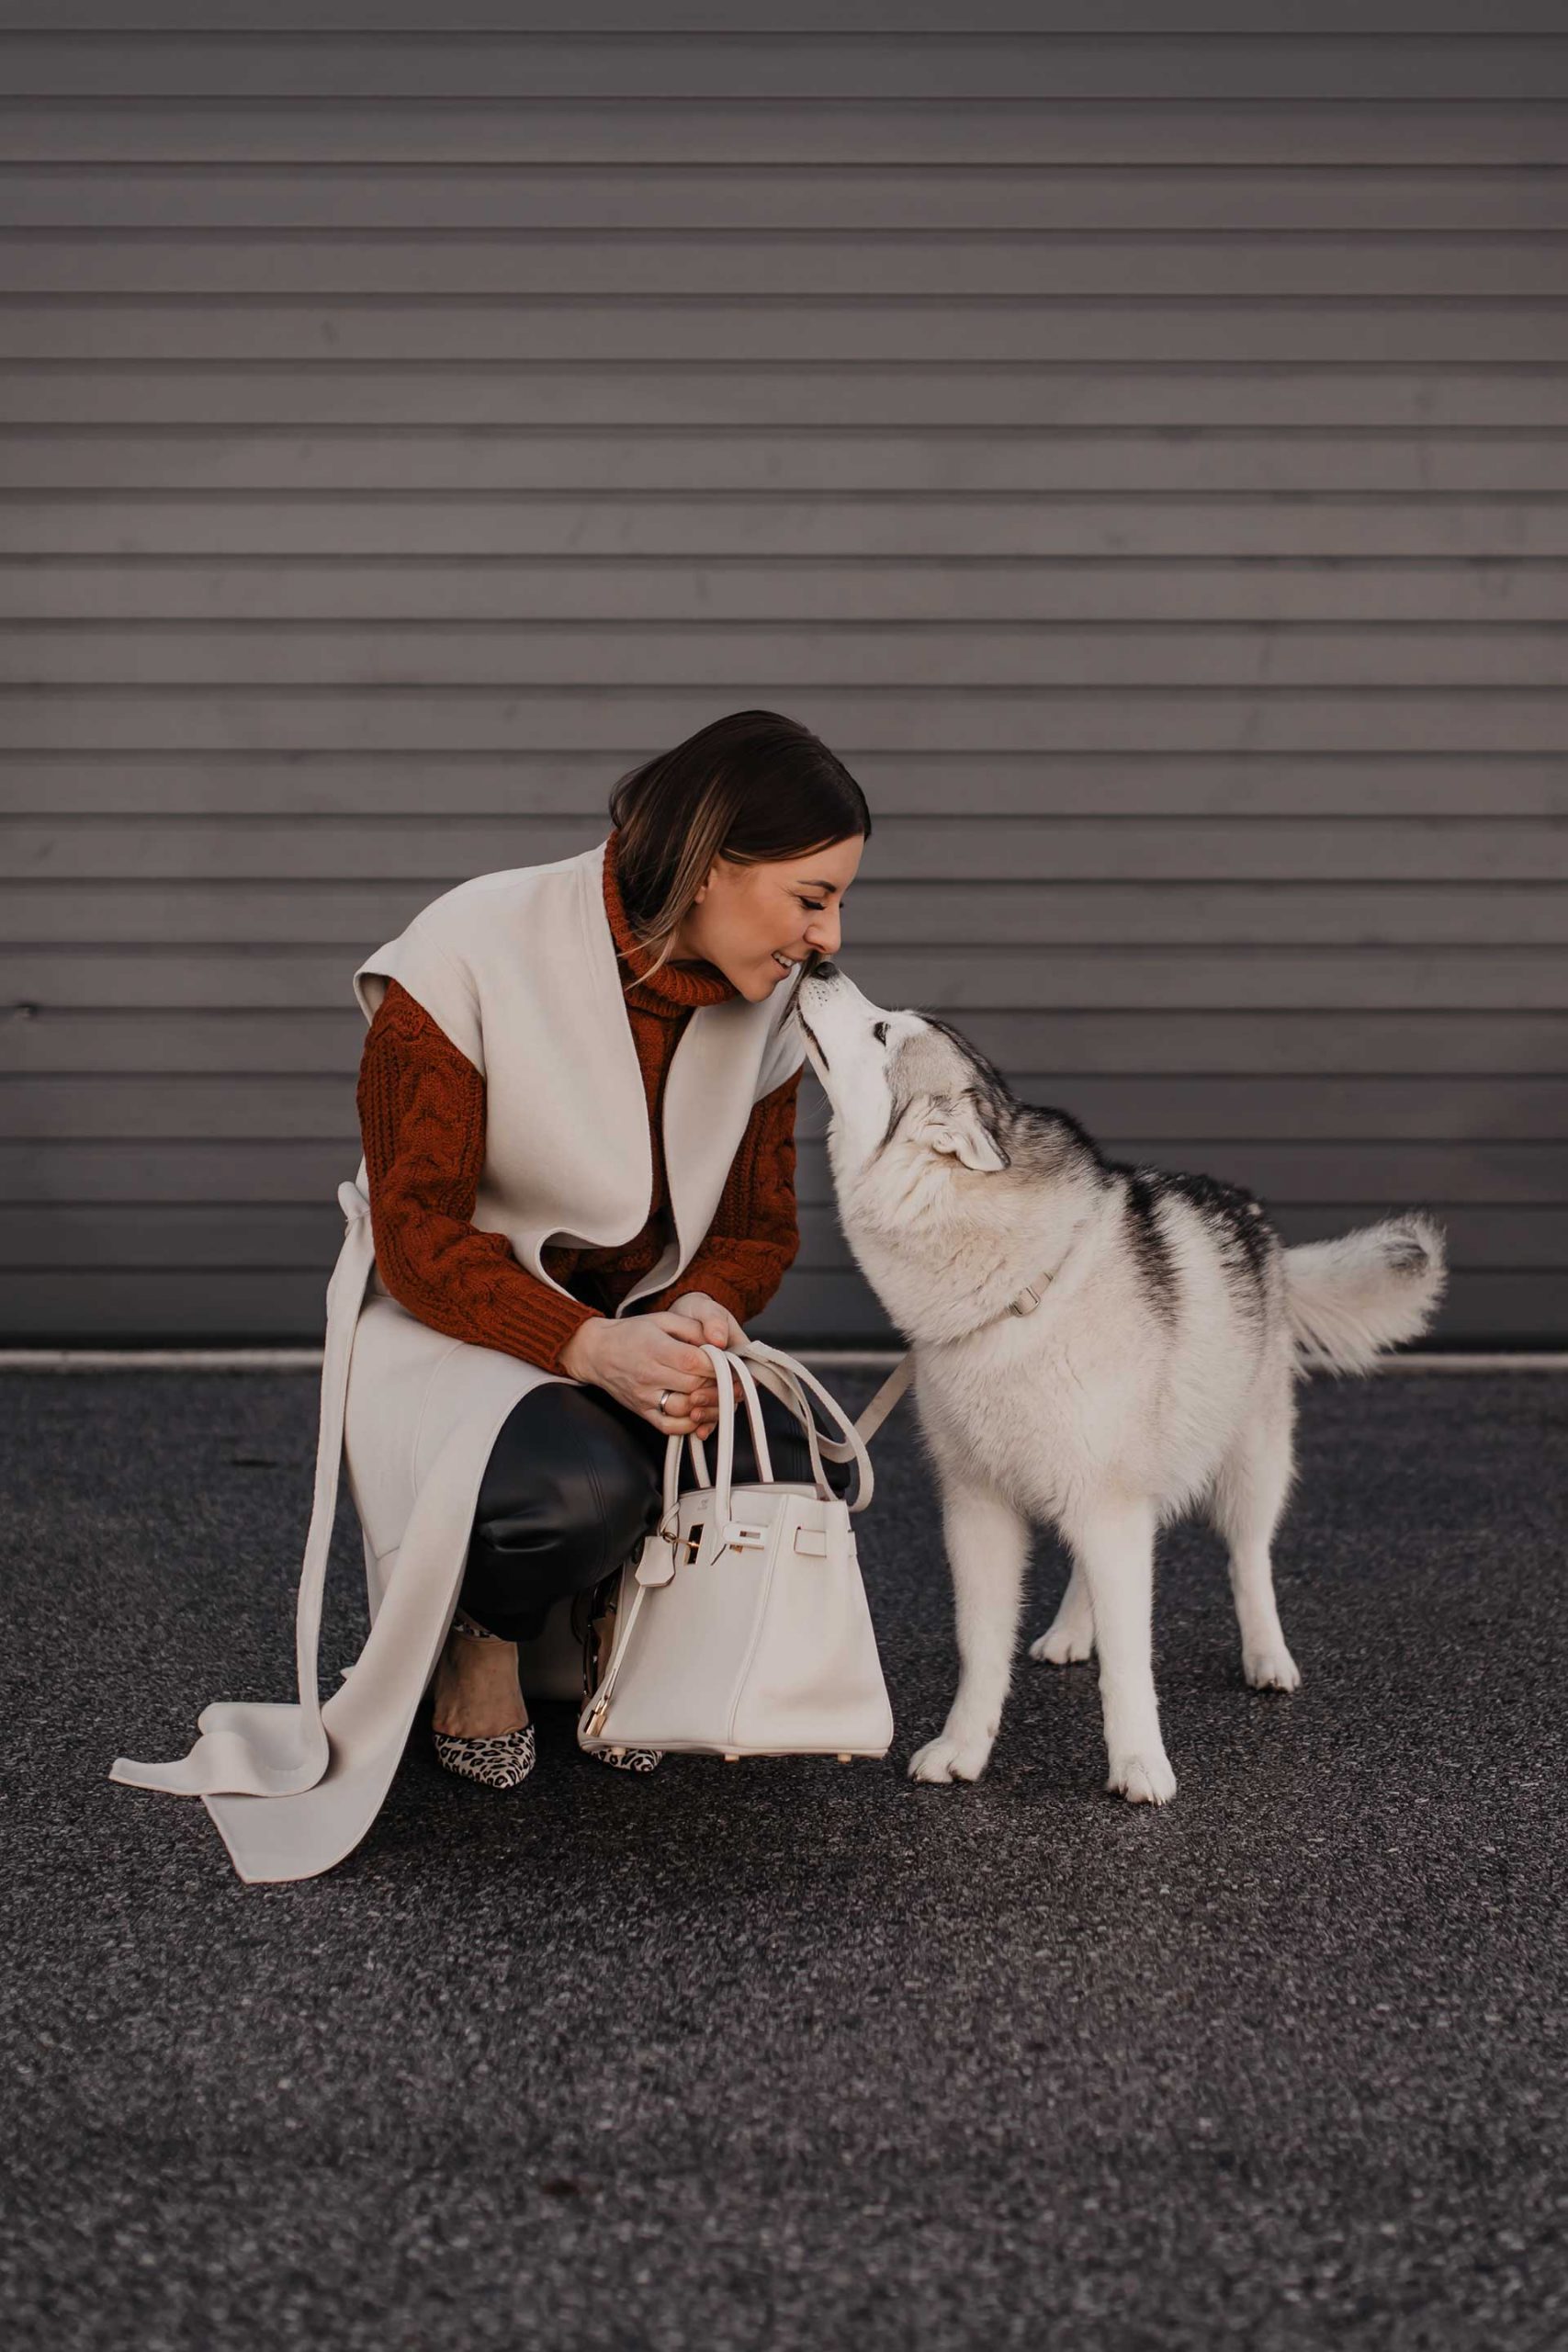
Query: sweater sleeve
x: 752, y: 1243
x: 421, y: 1117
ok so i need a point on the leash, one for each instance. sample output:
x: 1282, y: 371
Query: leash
x: 886, y: 1396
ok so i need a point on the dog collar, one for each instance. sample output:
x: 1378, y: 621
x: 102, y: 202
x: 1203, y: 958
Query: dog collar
x: 1028, y: 1298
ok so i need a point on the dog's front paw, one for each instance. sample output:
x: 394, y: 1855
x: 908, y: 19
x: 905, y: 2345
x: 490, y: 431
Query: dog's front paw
x: 1142, y: 1779
x: 1063, y: 1646
x: 950, y: 1759
x: 1271, y: 1668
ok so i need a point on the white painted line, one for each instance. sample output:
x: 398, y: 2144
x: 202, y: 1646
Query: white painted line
x: 1520, y: 1360
x: 844, y: 1359
x: 160, y: 1359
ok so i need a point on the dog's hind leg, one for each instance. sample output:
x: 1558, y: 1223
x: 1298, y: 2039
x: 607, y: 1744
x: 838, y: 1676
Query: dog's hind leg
x: 987, y: 1545
x: 1070, y: 1637
x: 1113, y: 1545
x: 1248, y: 1497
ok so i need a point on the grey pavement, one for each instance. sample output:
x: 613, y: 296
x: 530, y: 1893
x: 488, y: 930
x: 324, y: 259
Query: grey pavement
x: 789, y: 2053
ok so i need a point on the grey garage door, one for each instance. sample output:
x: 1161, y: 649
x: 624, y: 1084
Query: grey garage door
x: 1136, y: 437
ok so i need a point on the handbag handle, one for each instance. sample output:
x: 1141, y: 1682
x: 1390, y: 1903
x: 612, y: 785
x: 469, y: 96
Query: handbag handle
x: 763, y: 1354
x: 788, y: 1392
x: 721, y: 1359
x: 867, y: 1422
x: 788, y: 1378
x: 781, y: 1381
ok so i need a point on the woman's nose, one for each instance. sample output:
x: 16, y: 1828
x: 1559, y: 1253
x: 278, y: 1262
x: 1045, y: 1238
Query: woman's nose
x: 825, y: 936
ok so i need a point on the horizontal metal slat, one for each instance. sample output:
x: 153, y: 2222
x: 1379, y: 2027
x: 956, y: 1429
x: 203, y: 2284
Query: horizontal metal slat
x: 638, y: 461
x: 639, y: 65
x: 722, y: 328
x: 1275, y: 201
x: 1390, y: 1109
x: 1204, y: 132
x: 1001, y: 850
x: 949, y: 529
x: 718, y: 257
x: 863, y: 654
x: 241, y: 1044
x: 129, y: 1169
x: 1036, y: 982
x: 1168, y: 20
x: 395, y: 784
x: 346, y: 594
x: 1380, y: 722
x: 99, y: 1305
x: 1041, y: 914
x: 692, y: 527
x: 1211, y: 393
x: 181, y: 1239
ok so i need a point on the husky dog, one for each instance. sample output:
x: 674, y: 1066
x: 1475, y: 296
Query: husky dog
x: 1100, y: 1347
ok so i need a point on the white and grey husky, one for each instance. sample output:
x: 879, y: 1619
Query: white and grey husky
x: 1099, y: 1347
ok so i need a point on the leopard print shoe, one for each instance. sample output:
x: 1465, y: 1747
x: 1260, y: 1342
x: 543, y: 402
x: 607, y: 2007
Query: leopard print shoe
x: 501, y: 1761
x: 626, y: 1760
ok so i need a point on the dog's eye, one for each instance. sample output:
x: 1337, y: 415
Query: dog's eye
x: 880, y: 1033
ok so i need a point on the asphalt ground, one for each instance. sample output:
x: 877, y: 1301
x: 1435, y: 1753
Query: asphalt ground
x: 790, y: 2053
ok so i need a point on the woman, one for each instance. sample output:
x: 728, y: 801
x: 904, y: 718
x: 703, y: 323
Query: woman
x: 573, y: 1481
x: 577, y: 1101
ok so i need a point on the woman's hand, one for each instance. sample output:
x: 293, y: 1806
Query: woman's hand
x: 635, y: 1356
x: 711, y: 1314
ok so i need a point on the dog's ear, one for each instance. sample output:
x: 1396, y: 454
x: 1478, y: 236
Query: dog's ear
x: 958, y: 1127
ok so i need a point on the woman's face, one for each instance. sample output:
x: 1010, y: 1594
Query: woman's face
x: 746, y: 917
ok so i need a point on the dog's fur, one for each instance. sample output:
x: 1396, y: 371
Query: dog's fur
x: 1154, y: 1379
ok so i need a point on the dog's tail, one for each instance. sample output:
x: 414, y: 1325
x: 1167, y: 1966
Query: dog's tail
x: 1349, y: 1299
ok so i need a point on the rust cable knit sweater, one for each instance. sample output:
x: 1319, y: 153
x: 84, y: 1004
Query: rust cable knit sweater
x: 421, y: 1115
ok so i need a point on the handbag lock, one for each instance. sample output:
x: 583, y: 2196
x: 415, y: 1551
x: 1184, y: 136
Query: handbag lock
x: 739, y: 1535
x: 683, y: 1549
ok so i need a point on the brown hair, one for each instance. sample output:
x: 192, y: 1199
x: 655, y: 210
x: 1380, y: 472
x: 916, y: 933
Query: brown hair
x: 752, y: 788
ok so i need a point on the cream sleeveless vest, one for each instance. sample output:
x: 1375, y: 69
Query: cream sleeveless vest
x: 519, y: 970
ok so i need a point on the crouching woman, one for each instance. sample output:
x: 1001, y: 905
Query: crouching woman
x: 721, y: 881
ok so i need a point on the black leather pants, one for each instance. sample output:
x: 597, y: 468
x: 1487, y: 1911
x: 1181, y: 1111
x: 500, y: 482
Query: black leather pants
x: 575, y: 1481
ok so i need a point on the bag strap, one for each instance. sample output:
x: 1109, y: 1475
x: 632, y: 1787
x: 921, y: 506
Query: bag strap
x: 762, y: 1353
x: 868, y: 1422
x: 594, y: 1709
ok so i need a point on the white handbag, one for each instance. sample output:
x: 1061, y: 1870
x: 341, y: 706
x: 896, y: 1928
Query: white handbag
x: 741, y: 1627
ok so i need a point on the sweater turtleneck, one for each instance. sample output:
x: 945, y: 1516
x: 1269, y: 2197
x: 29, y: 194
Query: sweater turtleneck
x: 674, y: 987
